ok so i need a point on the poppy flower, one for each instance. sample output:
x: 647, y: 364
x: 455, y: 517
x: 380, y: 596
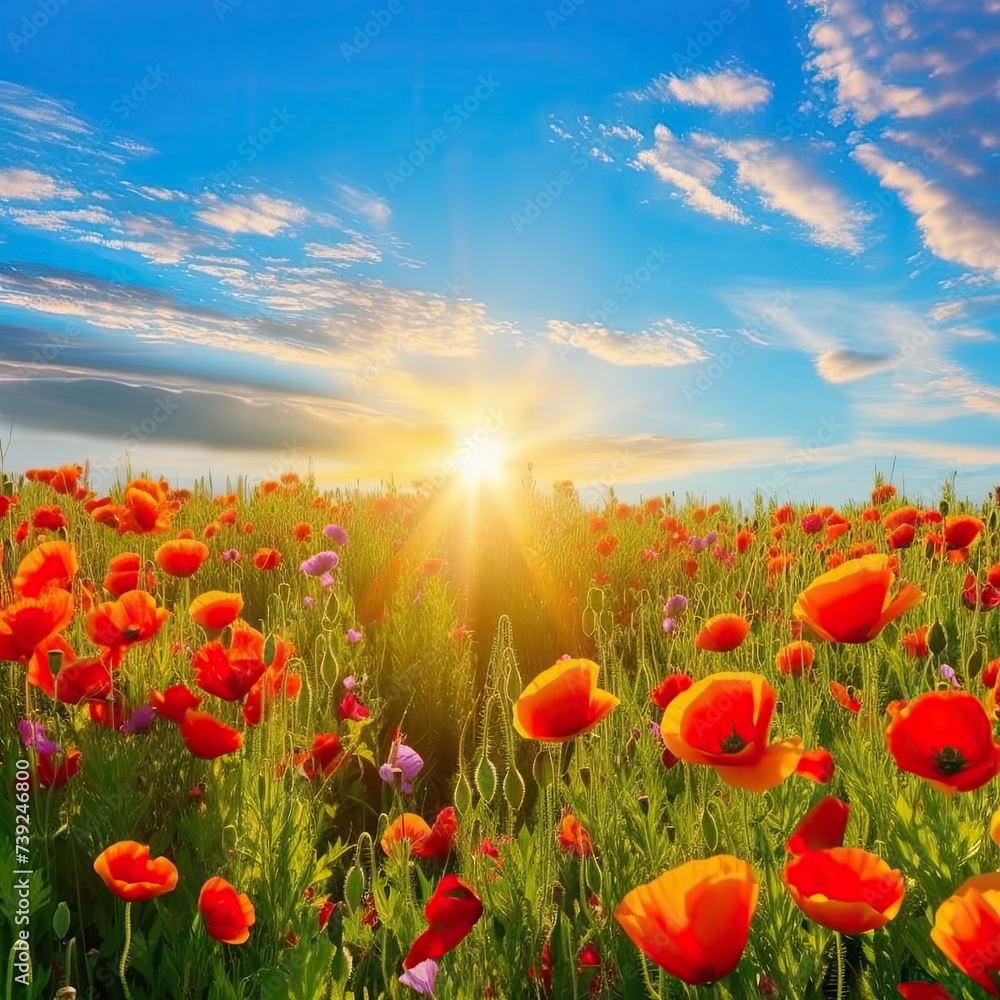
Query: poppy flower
x: 915, y: 643
x: 133, y: 618
x: 851, y: 603
x: 215, y: 609
x: 744, y: 539
x: 267, y: 559
x: 795, y: 657
x: 844, y: 888
x: 408, y: 827
x: 668, y: 689
x: 76, y: 679
x: 944, y: 737
x: 883, y: 493
x: 228, y: 915
x: 65, y: 478
x: 53, y: 773
x: 821, y: 828
x: 440, y: 838
x: 31, y: 620
x: 562, y: 702
x: 573, y: 838
x: 145, y: 509
x: 274, y: 683
x: 985, y: 597
x: 174, y: 702
x: 130, y: 873
x: 7, y: 503
x: 724, y: 721
x: 722, y: 633
x: 967, y: 928
x: 901, y: 537
x: 22, y: 532
x: 899, y: 516
x: 206, y: 737
x: 181, y: 557
x: 323, y: 759
x: 923, y: 991
x: 841, y: 694
x: 51, y: 564
x: 961, y: 530
x: 230, y: 672
x: 816, y: 765
x: 48, y: 518
x: 693, y: 920
x: 351, y: 708
x: 812, y: 523
x: 451, y: 914
x: 124, y: 572
x: 373, y: 605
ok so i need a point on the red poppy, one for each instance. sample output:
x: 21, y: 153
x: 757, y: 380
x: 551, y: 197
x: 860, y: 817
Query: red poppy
x: 323, y: 759
x: 50, y: 518
x: 6, y: 503
x: 146, y: 509
x: 744, y: 539
x: 606, y: 545
x: 27, y: 622
x: 206, y: 737
x: 668, y: 689
x: 901, y: 537
x: 440, y: 838
x: 228, y: 915
x: 124, y: 571
x: 845, y: 888
x: 724, y: 721
x: 273, y: 684
x: 795, y: 657
x: 961, y: 530
x: 722, y: 633
x: 51, y: 564
x: 54, y: 775
x: 923, y: 991
x: 451, y: 914
x: 899, y: 516
x: 76, y: 679
x: 573, y: 838
x: 133, y: 618
x: 174, y: 702
x: 821, y: 828
x: 182, y: 557
x: 130, y: 873
x: 215, y: 609
x: 915, y: 643
x: 229, y: 673
x: 267, y: 559
x: 985, y: 597
x: 351, y: 708
x: 944, y: 737
x: 562, y: 702
x: 843, y: 696
x: 816, y: 765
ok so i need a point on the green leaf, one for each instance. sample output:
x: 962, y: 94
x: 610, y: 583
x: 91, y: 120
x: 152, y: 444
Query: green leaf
x: 541, y: 768
x: 463, y: 794
x: 937, y: 640
x: 486, y: 779
x: 61, y: 921
x: 513, y: 787
x: 975, y: 662
x: 354, y: 887
x: 709, y: 829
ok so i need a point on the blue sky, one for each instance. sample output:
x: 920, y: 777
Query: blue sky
x: 716, y: 247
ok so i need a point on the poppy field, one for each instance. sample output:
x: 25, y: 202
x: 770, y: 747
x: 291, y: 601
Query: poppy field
x: 274, y: 740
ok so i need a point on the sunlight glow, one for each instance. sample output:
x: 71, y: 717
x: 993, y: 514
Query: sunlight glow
x: 483, y: 464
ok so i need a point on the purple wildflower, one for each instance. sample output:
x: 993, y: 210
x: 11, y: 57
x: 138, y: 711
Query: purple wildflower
x: 350, y: 682
x: 655, y: 730
x: 336, y: 533
x: 711, y: 538
x: 326, y: 579
x: 233, y: 554
x: 697, y: 543
x: 354, y: 635
x: 669, y: 624
x: 948, y: 673
x: 675, y: 606
x: 404, y: 763
x: 33, y: 735
x: 421, y: 977
x: 308, y: 602
x: 140, y: 720
x: 320, y: 565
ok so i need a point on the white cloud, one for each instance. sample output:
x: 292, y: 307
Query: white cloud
x: 256, y: 213
x: 723, y: 90
x: 30, y: 185
x: 848, y: 366
x: 358, y: 250
x: 692, y: 174
x: 60, y: 220
x: 364, y: 202
x: 664, y: 344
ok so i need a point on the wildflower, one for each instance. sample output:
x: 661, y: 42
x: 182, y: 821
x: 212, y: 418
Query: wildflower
x: 961, y: 531
x: 675, y: 606
x: 231, y: 555
x: 336, y: 534
x: 816, y: 765
x: 440, y: 838
x: 308, y: 602
x: 852, y: 603
x: 408, y: 828
x: 661, y: 917
x: 948, y: 674
x: 669, y: 688
x: 901, y: 537
x: 51, y: 564
x: 573, y: 838
x: 324, y: 757
x: 986, y: 597
x: 351, y: 708
x: 915, y: 643
x: 795, y: 657
x: 812, y: 523
x: 33, y: 735
x: 125, y: 574
x: 967, y: 927
x: 883, y: 493
x: 267, y: 559
x: 48, y: 518
x: 174, y: 702
x: 302, y: 532
x: 55, y: 775
x: 724, y: 721
x: 139, y: 721
x: 128, y: 871
x: 944, y: 737
x: 562, y: 702
x: 227, y: 914
x: 206, y: 737
x: 182, y: 557
x: 821, y: 829
x: 451, y: 914
x: 133, y: 618
x: 669, y: 624
x: 421, y: 977
x: 354, y: 636
x: 403, y: 764
x: 841, y: 694
x: 27, y: 622
x: 215, y: 609
x: 722, y: 633
x: 321, y: 564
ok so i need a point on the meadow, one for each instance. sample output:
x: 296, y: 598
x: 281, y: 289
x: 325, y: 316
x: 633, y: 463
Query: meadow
x: 268, y: 741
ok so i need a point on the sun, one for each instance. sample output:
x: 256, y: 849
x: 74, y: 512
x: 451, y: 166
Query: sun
x: 483, y: 465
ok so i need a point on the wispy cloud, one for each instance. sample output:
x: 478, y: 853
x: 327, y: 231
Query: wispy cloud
x: 722, y: 90
x: 662, y: 345
x: 30, y: 185
x: 364, y: 202
x: 256, y: 213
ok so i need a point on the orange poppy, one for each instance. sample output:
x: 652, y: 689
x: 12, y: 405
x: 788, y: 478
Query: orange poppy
x: 27, y: 622
x: 883, y: 493
x: 816, y: 765
x: 228, y: 915
x: 821, y: 828
x: 181, y: 557
x: 133, y: 618
x: 130, y: 873
x: 573, y: 838
x: 274, y: 683
x: 795, y: 657
x: 440, y: 838
x: 845, y: 888
x: 409, y: 827
x: 693, y: 920
x: 215, y: 609
x: 900, y: 516
x: 229, y: 673
x: 915, y: 643
x: 302, y: 532
x: 722, y: 633
x: 844, y: 697
x: 961, y: 530
x: 76, y: 679
x: 562, y: 702
x: 51, y: 564
x: 967, y: 929
x: 901, y: 537
x: 206, y: 737
x: 606, y: 545
x: 174, y: 702
x: 145, y: 509
x: 267, y: 559
x: 124, y: 572
x: 944, y: 737
x: 724, y: 721
x: 65, y: 478
x: 851, y: 603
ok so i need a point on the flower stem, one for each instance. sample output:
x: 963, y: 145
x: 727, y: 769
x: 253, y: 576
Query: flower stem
x: 840, y: 965
x: 128, y: 944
